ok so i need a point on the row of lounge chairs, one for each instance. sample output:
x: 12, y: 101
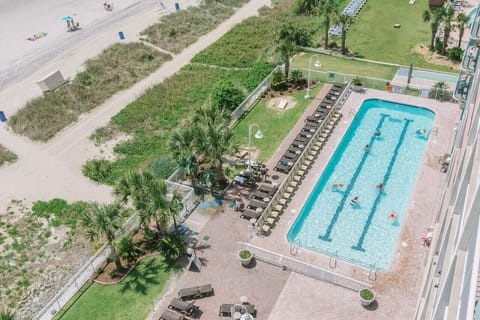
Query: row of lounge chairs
x: 352, y: 10
x: 179, y: 309
x: 327, y: 119
x: 258, y: 203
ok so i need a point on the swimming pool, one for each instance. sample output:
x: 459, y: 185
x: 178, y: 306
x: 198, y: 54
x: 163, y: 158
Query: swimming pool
x: 364, y: 234
x: 429, y: 75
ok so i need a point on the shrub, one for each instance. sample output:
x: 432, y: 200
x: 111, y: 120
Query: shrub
x: 127, y: 249
x: 97, y: 170
x: 245, y: 254
x: 455, y: 54
x: 6, y: 156
x: 173, y: 245
x: 277, y: 80
x: 162, y: 167
x: 226, y: 95
x: 366, y: 294
x: 440, y: 91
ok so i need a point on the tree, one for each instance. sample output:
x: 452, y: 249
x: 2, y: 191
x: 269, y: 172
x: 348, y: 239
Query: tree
x: 462, y: 21
x: 226, y: 95
x: 289, y: 37
x: 287, y: 49
x: 327, y: 9
x: 447, y: 16
x: 434, y: 17
x: 306, y: 7
x: 174, y: 207
x: 180, y: 143
x: 103, y: 221
x: 173, y: 245
x: 127, y: 249
x: 148, y: 196
x: 344, y: 20
x: 189, y: 165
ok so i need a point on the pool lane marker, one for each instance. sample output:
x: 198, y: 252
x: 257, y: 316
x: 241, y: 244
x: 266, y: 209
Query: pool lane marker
x: 351, y: 184
x: 373, y: 210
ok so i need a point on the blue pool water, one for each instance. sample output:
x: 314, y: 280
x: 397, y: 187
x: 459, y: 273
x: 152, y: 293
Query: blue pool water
x: 364, y: 234
x: 429, y: 75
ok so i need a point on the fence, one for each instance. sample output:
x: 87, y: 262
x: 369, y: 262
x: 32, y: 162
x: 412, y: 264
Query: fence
x: 304, y: 268
x: 381, y: 84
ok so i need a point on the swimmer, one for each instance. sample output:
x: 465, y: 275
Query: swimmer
x: 378, y: 133
x: 338, y: 186
x: 367, y: 147
x: 354, y: 201
x: 392, y: 216
x: 380, y: 187
x: 423, y: 131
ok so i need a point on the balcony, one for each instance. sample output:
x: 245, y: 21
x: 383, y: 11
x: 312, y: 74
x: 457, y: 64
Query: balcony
x: 463, y: 86
x: 469, y: 62
x: 475, y: 29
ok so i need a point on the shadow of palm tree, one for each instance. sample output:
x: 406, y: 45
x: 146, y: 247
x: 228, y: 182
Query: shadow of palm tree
x: 144, y: 273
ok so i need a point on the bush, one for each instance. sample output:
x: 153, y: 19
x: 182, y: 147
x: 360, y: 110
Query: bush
x: 455, y: 54
x: 245, y: 254
x: 226, y: 95
x: 59, y: 211
x: 440, y: 91
x: 97, y: 170
x: 277, y: 80
x: 162, y: 167
x: 366, y: 294
x: 173, y: 245
x: 127, y: 249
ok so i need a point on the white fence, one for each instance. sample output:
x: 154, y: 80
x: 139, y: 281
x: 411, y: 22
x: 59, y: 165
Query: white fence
x: 304, y: 268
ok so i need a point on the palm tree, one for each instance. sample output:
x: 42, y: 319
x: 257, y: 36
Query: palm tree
x: 180, y: 143
x: 104, y: 221
x: 434, y: 17
x: 305, y: 6
x: 286, y: 49
x: 7, y: 315
x: 174, y: 207
x: 447, y: 16
x: 462, y: 21
x: 344, y: 20
x: 189, y: 165
x: 327, y: 9
x: 148, y: 196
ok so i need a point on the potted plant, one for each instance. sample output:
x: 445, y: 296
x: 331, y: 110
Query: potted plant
x: 357, y: 84
x: 245, y: 257
x: 367, y: 296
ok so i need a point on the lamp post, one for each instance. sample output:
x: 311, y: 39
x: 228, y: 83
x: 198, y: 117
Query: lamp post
x: 317, y: 64
x: 258, y: 135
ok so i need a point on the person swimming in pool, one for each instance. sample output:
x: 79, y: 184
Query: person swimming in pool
x: 338, y: 186
x: 366, y: 148
x: 354, y: 201
x: 378, y: 133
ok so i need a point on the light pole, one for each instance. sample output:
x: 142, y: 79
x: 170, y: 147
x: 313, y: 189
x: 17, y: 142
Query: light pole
x: 317, y: 64
x: 258, y: 135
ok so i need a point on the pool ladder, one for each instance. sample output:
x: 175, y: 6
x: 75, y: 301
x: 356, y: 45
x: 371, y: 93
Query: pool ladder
x: 332, y: 263
x: 293, y: 250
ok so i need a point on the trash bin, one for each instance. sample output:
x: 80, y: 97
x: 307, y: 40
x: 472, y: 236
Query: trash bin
x: 177, y: 6
x: 121, y: 35
x: 3, y: 118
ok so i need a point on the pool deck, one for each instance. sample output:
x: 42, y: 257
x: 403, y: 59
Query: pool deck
x: 279, y: 294
x: 399, y: 285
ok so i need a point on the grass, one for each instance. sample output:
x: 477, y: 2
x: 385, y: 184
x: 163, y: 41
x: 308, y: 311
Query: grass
x: 130, y: 299
x: 152, y: 117
x: 372, y: 35
x: 274, y: 124
x: 180, y: 29
x: 116, y: 68
x: 6, y: 156
x: 346, y: 65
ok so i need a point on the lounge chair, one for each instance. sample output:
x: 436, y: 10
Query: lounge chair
x: 285, y: 168
x: 170, y: 315
x: 259, y: 194
x: 226, y: 309
x: 250, y: 214
x: 187, y: 308
x: 267, y: 188
x: 256, y: 204
x: 196, y: 292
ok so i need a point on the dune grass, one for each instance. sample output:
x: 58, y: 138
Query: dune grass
x: 130, y: 299
x: 274, y: 124
x: 373, y: 36
x: 6, y: 156
x: 118, y: 67
x: 345, y: 65
x: 180, y: 29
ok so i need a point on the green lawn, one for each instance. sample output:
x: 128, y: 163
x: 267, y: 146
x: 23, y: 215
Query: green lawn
x: 130, y: 299
x: 274, y: 124
x: 345, y: 65
x: 372, y: 35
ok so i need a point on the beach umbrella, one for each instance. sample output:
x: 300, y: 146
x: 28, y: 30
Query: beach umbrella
x: 67, y: 18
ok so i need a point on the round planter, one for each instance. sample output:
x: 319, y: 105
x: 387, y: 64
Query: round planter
x: 245, y: 258
x: 366, y: 301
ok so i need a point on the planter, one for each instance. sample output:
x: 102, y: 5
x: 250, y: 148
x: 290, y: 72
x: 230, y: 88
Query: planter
x: 357, y: 88
x: 367, y: 296
x: 245, y: 257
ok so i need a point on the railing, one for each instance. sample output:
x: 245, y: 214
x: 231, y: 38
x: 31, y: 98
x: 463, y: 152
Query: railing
x: 249, y: 101
x: 463, y: 85
x: 475, y: 29
x: 470, y: 58
x: 304, y: 268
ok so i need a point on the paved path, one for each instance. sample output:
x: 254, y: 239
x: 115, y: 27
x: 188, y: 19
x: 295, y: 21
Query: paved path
x: 53, y: 169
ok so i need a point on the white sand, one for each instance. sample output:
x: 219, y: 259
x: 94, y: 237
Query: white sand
x: 53, y: 169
